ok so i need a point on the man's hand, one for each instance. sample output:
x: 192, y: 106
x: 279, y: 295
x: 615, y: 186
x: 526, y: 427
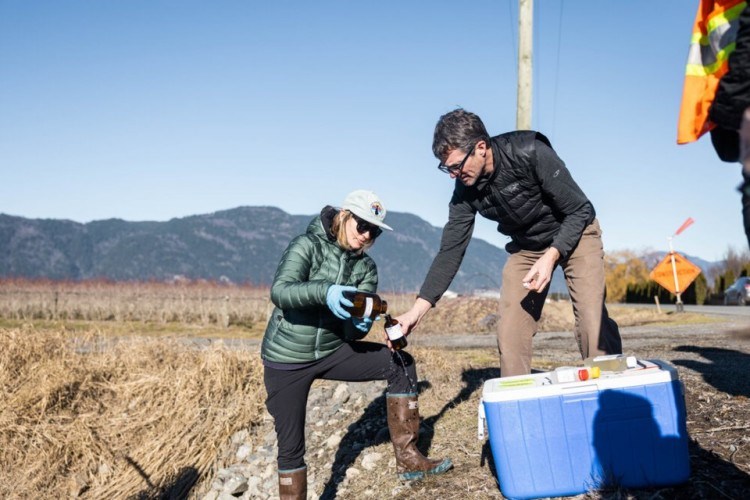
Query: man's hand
x: 410, y: 319
x: 540, y: 273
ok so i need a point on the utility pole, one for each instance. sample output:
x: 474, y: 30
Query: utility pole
x: 525, y: 43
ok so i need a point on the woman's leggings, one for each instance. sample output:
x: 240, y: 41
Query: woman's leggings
x: 352, y: 362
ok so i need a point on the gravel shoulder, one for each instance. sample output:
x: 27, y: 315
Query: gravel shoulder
x: 635, y: 338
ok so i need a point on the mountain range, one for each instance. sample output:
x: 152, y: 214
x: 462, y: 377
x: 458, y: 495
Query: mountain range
x: 240, y: 245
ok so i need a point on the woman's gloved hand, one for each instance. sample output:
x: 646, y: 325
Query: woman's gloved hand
x: 362, y: 324
x: 336, y: 300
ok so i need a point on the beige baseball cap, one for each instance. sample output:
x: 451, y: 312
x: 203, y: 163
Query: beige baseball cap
x: 367, y: 206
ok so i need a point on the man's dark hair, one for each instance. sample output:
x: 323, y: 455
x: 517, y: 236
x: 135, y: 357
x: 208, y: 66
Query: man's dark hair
x: 458, y: 129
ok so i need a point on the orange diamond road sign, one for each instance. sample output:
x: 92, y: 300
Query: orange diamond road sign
x: 664, y: 275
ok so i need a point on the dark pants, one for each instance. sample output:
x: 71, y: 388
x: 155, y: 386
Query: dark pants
x: 353, y: 362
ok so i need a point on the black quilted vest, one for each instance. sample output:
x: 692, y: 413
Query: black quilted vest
x: 511, y: 196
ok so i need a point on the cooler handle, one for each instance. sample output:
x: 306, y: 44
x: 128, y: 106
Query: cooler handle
x: 579, y: 389
x: 481, y: 419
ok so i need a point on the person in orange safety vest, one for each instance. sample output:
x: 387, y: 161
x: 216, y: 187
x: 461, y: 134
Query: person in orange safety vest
x: 716, y: 91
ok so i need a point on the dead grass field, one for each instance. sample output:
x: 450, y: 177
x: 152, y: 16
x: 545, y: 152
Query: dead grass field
x: 147, y: 416
x: 81, y: 416
x: 164, y: 307
x: 221, y: 311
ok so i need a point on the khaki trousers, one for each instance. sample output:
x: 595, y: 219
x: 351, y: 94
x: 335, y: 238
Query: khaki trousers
x: 595, y: 332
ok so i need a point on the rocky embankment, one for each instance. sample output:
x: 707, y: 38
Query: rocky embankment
x: 346, y: 436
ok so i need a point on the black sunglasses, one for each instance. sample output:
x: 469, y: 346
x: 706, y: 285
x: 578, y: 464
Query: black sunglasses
x: 455, y: 169
x: 363, y: 226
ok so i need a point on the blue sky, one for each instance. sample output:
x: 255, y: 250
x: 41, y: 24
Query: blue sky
x: 149, y: 110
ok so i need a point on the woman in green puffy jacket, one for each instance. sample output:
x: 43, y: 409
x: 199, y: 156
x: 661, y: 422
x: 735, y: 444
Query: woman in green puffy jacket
x: 311, y: 335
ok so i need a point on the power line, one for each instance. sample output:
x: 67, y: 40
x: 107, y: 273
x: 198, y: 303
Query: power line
x: 538, y: 73
x: 513, y: 36
x: 557, y: 69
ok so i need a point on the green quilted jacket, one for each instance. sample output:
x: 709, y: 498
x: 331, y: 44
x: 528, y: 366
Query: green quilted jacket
x: 302, y: 328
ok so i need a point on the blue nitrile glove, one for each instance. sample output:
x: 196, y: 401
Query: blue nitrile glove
x: 362, y: 324
x: 335, y: 300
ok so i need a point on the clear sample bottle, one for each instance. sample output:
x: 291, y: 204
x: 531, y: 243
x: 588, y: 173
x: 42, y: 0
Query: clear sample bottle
x: 612, y: 362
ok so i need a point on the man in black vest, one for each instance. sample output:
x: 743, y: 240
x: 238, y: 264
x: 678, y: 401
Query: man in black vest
x: 517, y: 180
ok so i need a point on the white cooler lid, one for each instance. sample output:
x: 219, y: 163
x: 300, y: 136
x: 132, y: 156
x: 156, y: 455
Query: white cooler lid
x: 541, y: 384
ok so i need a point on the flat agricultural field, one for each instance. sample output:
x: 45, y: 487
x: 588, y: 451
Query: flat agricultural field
x: 147, y: 393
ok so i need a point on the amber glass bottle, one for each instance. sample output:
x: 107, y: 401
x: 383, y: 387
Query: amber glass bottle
x: 366, y: 305
x: 395, y: 335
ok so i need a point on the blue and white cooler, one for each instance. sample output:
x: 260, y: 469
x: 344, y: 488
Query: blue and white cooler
x: 624, y: 429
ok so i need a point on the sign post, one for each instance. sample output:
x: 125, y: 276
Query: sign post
x: 675, y: 273
x: 677, y: 290
x: 680, y: 268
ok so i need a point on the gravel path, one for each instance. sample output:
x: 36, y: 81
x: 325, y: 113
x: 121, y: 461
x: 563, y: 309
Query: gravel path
x: 634, y: 337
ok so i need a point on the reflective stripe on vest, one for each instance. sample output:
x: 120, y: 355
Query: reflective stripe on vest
x: 713, y: 40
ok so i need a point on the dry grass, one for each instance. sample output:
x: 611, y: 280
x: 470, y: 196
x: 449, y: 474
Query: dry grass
x: 89, y: 417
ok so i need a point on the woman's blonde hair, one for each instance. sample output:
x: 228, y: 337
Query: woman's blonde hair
x: 338, y: 228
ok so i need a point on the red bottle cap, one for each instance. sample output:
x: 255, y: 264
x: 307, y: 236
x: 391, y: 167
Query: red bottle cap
x: 583, y: 374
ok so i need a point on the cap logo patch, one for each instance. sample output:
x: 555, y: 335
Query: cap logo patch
x: 377, y: 209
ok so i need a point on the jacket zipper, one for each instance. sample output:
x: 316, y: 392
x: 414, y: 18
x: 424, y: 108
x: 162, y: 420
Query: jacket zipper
x: 320, y: 318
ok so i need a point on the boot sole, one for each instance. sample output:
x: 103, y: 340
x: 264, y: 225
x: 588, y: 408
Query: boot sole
x: 442, y: 467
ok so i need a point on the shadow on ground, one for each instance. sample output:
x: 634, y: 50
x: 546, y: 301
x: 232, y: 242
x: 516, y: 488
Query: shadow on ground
x: 711, y: 476
x: 360, y: 435
x: 721, y: 368
x: 357, y: 438
x: 176, y: 487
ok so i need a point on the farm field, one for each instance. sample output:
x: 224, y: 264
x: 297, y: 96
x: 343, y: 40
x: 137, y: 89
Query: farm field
x: 104, y: 398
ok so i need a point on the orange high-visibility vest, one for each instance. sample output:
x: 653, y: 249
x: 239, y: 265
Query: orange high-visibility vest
x: 714, y: 34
